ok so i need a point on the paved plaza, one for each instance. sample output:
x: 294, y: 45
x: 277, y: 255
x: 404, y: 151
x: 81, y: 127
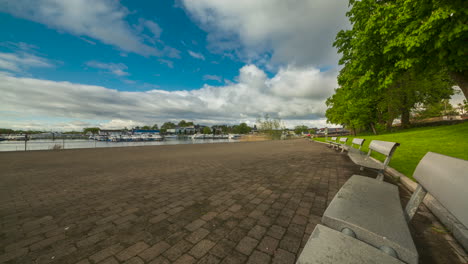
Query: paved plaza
x: 252, y: 202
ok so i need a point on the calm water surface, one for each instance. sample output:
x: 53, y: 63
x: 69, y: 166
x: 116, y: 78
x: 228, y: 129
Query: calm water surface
x: 80, y: 143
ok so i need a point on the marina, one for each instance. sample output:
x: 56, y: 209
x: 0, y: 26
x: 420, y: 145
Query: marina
x: 49, y: 144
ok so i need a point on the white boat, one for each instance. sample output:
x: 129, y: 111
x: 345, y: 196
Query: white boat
x: 126, y: 138
x: 234, y: 136
x: 135, y: 138
x: 198, y: 136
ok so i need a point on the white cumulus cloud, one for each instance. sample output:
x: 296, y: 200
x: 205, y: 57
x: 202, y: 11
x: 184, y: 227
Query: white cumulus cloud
x: 299, y: 32
x: 294, y: 94
x: 196, y: 55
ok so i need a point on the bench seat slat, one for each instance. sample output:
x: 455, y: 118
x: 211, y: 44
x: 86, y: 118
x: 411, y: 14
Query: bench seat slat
x: 361, y: 158
x: 446, y: 178
x: 327, y: 246
x: 372, y: 209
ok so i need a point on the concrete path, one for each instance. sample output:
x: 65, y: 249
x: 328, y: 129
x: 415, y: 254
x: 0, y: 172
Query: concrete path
x: 253, y: 202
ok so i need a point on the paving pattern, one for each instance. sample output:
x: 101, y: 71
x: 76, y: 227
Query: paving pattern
x: 253, y: 202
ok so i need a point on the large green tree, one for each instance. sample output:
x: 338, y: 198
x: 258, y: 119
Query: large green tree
x: 376, y: 85
x: 424, y: 33
x: 390, y: 37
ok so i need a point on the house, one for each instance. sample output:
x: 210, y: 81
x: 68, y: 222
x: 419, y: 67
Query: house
x: 145, y: 131
x: 184, y: 130
x: 338, y: 131
x: 110, y: 132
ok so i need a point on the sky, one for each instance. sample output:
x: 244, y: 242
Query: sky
x: 66, y: 65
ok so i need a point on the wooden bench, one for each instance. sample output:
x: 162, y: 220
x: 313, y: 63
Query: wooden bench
x: 365, y: 160
x: 370, y: 212
x: 356, y: 142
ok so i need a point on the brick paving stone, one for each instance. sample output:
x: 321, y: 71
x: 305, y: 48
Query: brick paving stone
x: 201, y: 248
x: 154, y: 251
x: 299, y: 219
x: 209, y: 259
x: 246, y: 245
x: 247, y: 223
x: 258, y: 257
x: 134, y: 260
x: 46, y: 242
x: 105, y: 253
x: 13, y: 254
x: 177, y: 250
x: 158, y: 218
x: 197, y: 235
x: 160, y: 260
x: 23, y: 243
x: 185, y: 259
x: 235, y: 208
x: 131, y: 251
x: 283, y: 257
x: 208, y: 216
x: 268, y: 245
x: 276, y: 231
x: 195, y: 225
x: 290, y: 244
x: 234, y: 258
x: 237, y: 234
x: 110, y: 260
x: 83, y: 261
x: 91, y: 240
x: 223, y: 248
x: 175, y: 210
x: 257, y: 232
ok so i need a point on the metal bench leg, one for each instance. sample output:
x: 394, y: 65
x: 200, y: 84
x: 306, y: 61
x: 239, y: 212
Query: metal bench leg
x: 414, y: 202
x: 380, y: 176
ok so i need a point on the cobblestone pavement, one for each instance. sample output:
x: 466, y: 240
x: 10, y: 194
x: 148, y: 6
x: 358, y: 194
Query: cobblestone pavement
x: 210, y: 203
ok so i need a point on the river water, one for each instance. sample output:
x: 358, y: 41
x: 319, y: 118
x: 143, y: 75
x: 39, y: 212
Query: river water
x: 43, y: 144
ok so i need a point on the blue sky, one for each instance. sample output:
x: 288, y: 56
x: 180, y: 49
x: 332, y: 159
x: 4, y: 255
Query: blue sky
x: 78, y: 63
x: 71, y: 53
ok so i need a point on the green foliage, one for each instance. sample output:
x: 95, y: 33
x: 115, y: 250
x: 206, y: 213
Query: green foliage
x: 146, y: 127
x: 6, y: 131
x: 301, y: 129
x: 272, y: 127
x: 242, y: 128
x: 207, y: 130
x: 93, y: 130
x: 436, y: 109
x: 374, y: 89
x: 183, y: 123
x: 155, y: 127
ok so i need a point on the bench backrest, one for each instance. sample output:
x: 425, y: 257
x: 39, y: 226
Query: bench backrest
x: 446, y: 178
x: 384, y: 147
x: 357, y: 141
x: 343, y: 140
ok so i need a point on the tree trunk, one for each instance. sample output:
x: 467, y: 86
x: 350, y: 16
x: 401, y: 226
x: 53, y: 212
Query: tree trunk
x: 405, y: 118
x: 373, y: 128
x: 461, y: 78
x: 389, y: 124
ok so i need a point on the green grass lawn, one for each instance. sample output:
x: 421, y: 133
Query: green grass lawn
x: 450, y: 140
